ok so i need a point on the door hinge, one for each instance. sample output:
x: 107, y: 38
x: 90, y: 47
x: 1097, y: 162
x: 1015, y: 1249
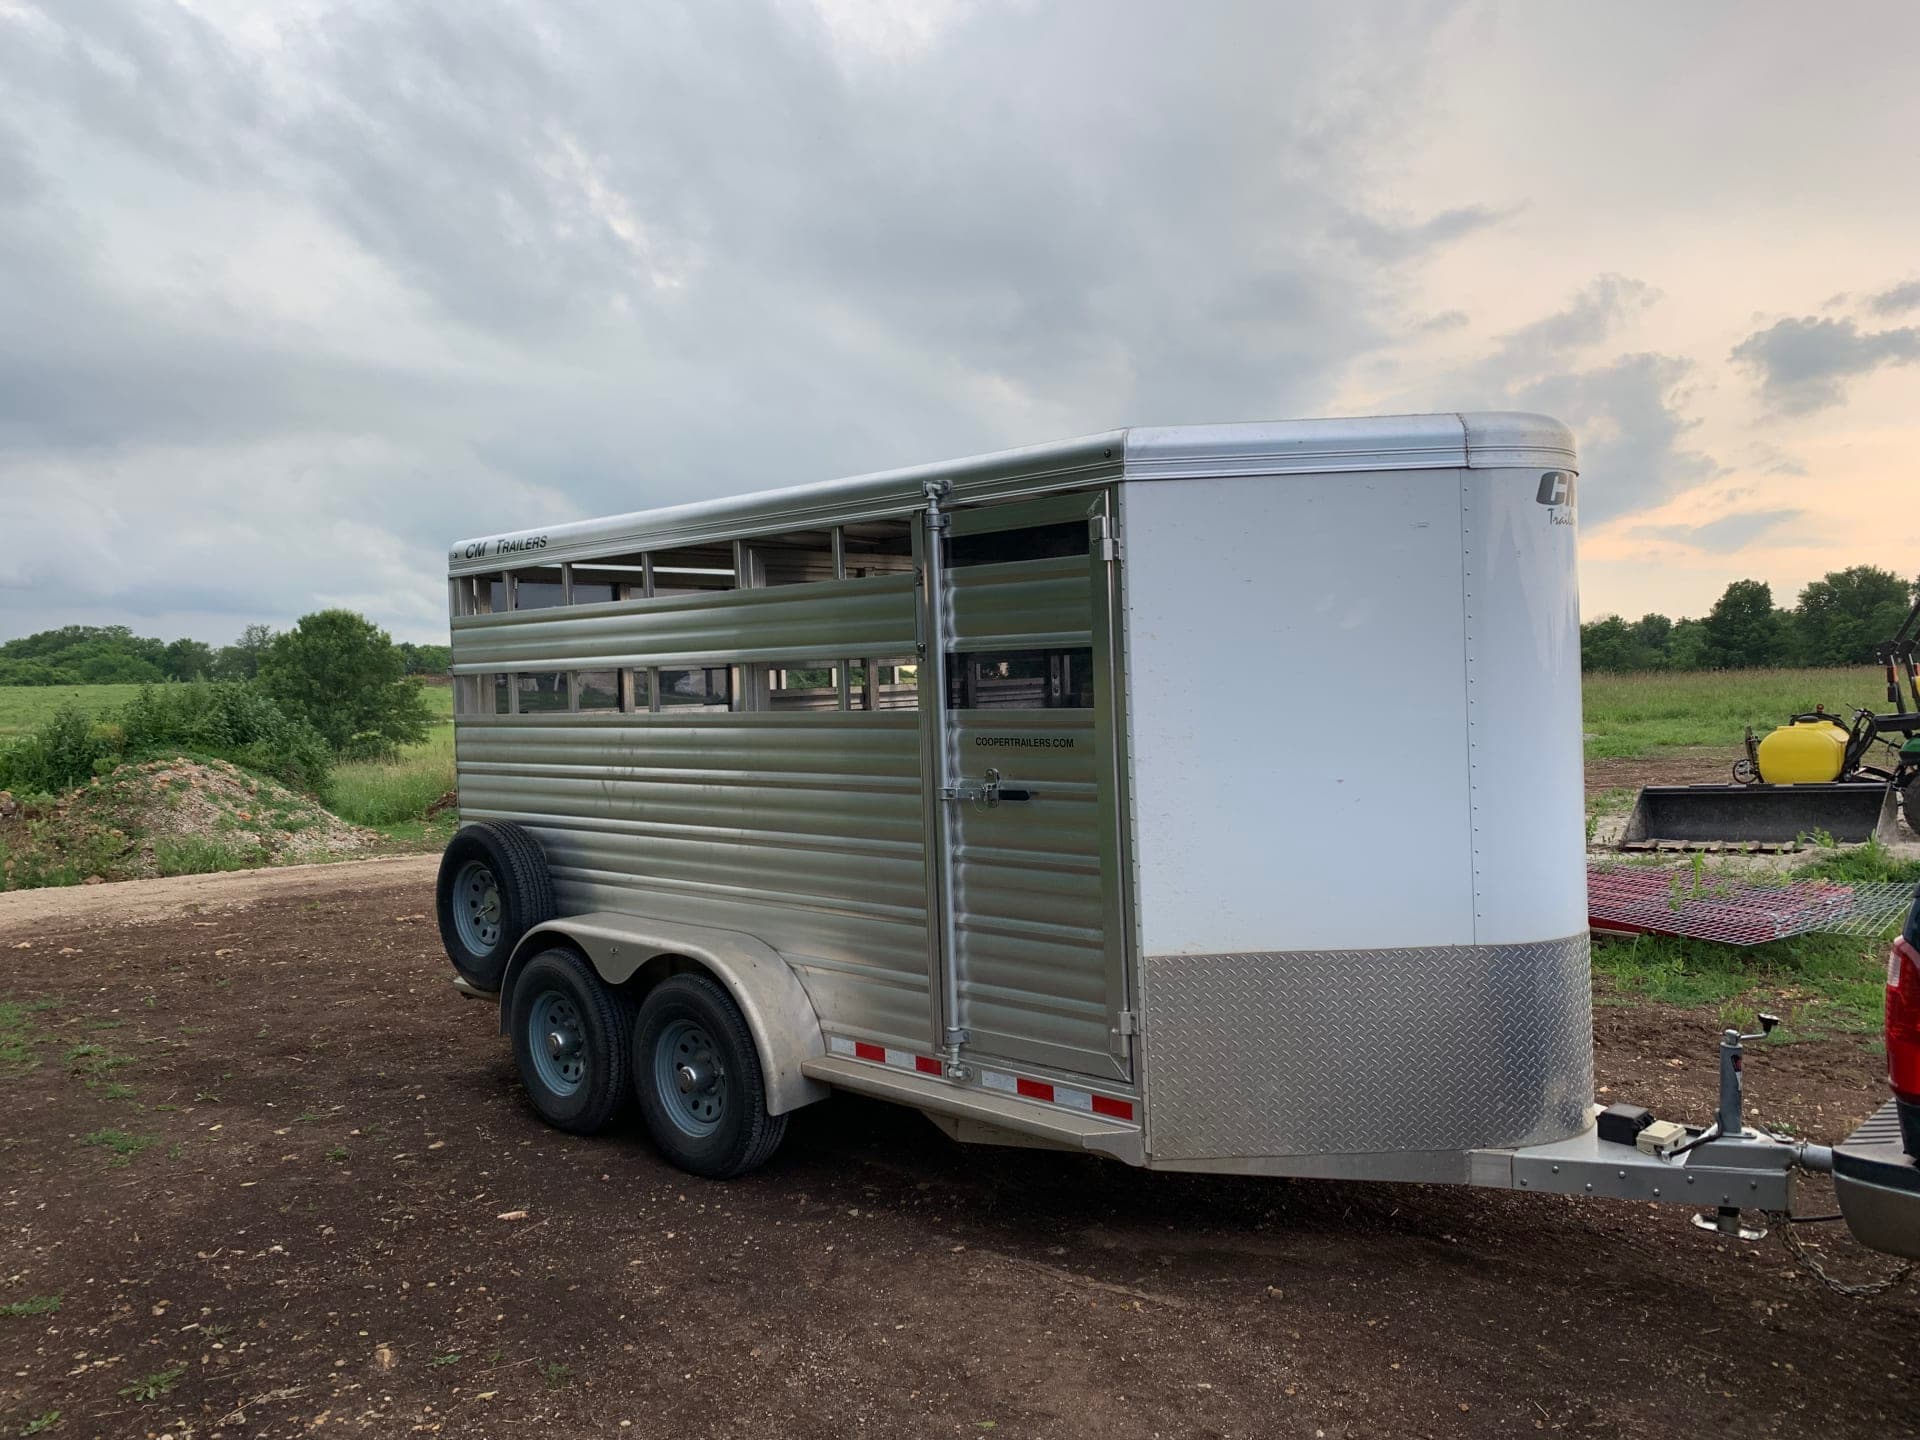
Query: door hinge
x: 1128, y: 1023
x: 1106, y: 541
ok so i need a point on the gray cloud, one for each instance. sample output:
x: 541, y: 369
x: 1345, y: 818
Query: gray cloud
x: 1629, y: 414
x: 1595, y: 314
x: 305, y: 307
x: 1803, y: 364
x: 1628, y: 409
x: 1897, y: 299
x: 1725, y: 535
x: 1403, y: 239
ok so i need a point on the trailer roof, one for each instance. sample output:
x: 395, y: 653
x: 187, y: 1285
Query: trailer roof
x: 1483, y: 440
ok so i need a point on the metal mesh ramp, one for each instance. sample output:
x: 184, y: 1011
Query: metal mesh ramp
x: 1676, y: 900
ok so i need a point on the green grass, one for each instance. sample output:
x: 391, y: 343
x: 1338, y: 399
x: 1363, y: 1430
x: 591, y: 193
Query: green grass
x: 153, y: 1386
x: 1868, y: 864
x: 18, y: 1035
x: 384, y: 793
x: 123, y: 1145
x: 204, y: 855
x: 1629, y: 715
x: 1818, y: 984
x: 24, y: 706
x: 94, y: 1060
x: 32, y: 1305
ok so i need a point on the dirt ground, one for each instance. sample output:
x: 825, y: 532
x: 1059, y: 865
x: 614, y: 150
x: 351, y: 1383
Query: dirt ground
x: 1680, y: 765
x: 283, y: 1182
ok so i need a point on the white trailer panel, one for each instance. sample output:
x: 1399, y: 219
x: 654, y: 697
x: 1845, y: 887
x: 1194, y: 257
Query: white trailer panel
x: 1298, y: 708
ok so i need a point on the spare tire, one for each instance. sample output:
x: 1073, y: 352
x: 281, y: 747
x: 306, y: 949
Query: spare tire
x: 494, y: 887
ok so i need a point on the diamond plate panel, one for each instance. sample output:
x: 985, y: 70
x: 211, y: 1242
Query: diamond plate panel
x: 1315, y: 1052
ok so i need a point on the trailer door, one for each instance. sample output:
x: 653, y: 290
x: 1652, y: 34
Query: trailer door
x: 1029, y: 720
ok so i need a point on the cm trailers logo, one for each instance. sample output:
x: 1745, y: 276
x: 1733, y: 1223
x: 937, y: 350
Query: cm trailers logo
x: 1556, y: 493
x: 478, y: 549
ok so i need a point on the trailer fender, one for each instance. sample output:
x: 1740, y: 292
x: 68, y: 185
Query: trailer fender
x: 786, y: 1031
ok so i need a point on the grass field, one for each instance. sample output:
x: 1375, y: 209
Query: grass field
x: 24, y: 706
x: 395, y: 793
x: 1820, y: 984
x: 392, y: 795
x: 1631, y: 715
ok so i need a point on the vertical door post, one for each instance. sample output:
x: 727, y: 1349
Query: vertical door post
x: 946, y: 960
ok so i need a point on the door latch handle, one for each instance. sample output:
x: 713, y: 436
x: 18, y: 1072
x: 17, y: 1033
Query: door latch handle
x: 986, y: 792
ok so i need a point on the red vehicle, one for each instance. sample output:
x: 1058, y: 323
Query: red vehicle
x: 1876, y: 1173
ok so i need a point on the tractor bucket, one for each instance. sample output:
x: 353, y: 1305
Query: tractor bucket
x: 1693, y: 816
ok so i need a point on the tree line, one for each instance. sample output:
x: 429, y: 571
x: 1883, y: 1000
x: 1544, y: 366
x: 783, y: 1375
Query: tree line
x: 334, y: 687
x: 1839, y: 619
x: 113, y: 654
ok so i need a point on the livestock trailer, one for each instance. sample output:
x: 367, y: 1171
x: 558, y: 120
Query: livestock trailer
x: 1208, y: 798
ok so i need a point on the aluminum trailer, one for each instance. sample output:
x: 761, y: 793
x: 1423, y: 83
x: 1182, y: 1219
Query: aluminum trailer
x: 1018, y: 790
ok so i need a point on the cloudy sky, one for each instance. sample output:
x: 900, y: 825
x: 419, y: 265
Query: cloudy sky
x: 293, y: 295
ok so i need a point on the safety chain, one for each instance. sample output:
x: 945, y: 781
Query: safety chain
x: 1789, y: 1232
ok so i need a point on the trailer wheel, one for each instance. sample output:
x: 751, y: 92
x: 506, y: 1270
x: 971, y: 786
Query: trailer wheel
x: 571, y: 1031
x: 1910, y: 798
x: 494, y: 887
x: 699, y: 1082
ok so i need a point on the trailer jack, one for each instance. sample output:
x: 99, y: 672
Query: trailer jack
x: 1729, y: 1120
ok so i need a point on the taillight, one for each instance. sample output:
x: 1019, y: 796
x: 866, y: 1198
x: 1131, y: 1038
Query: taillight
x: 1903, y: 1020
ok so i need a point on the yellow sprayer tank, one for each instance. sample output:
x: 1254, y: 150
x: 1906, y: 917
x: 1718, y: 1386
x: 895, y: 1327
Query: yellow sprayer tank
x: 1807, y: 752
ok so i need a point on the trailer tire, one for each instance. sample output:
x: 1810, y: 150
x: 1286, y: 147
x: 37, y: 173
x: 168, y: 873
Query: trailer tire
x: 1910, y: 799
x: 494, y: 887
x: 571, y: 1032
x: 697, y: 1076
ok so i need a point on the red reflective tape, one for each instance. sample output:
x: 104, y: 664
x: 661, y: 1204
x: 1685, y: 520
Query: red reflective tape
x: 1034, y: 1089
x: 864, y: 1051
x: 926, y: 1065
x: 1118, y: 1109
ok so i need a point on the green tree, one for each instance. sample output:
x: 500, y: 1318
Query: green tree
x: 29, y: 672
x: 83, y: 654
x: 1650, y: 635
x: 344, y: 676
x: 425, y: 659
x: 1843, y: 616
x: 111, y: 667
x: 1687, y: 645
x: 1611, y: 643
x: 1742, y: 629
x: 241, y: 660
x: 1605, y: 644
x: 188, y: 660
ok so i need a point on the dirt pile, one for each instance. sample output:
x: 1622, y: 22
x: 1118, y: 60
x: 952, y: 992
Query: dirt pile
x: 169, y: 817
